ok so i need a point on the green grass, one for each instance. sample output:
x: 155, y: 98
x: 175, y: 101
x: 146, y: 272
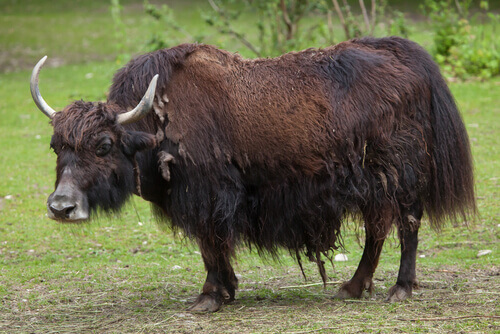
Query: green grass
x: 120, y: 274
x: 79, y: 31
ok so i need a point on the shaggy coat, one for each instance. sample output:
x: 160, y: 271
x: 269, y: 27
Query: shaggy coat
x: 278, y: 152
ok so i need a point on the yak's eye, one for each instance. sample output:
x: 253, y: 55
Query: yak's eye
x: 104, y: 147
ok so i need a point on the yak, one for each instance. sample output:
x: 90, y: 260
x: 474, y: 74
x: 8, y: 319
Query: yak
x: 271, y: 153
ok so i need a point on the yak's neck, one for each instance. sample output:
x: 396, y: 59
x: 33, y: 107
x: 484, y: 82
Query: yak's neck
x: 152, y: 185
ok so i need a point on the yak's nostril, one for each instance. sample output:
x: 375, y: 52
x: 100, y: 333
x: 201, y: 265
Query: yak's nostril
x: 62, y: 211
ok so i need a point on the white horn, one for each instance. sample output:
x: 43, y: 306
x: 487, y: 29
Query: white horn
x: 35, y: 92
x: 143, y: 107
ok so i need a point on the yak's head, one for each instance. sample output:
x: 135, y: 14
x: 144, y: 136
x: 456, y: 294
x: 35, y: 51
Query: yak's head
x: 95, y: 153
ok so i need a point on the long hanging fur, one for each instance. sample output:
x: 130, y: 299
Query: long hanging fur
x: 276, y: 152
x: 450, y: 192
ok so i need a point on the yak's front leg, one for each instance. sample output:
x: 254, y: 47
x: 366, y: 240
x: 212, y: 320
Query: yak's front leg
x: 362, y: 279
x: 221, y: 283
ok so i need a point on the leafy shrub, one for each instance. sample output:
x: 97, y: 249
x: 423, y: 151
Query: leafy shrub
x: 280, y: 25
x: 464, y: 50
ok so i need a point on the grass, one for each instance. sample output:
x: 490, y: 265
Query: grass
x: 122, y: 274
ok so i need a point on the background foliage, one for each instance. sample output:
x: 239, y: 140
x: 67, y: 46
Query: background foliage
x: 464, y: 48
x: 464, y: 51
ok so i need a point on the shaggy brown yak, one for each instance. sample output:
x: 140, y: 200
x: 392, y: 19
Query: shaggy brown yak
x: 272, y: 152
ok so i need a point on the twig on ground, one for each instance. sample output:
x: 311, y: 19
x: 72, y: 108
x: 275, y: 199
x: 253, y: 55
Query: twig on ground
x: 334, y: 329
x: 453, y: 318
x: 448, y: 271
x: 316, y: 330
x: 308, y: 285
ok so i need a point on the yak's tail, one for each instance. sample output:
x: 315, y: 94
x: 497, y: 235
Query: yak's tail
x: 451, y: 191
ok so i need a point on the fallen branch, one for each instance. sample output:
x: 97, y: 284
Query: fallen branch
x: 333, y: 329
x: 308, y: 285
x: 453, y: 318
x: 316, y: 330
x: 448, y: 271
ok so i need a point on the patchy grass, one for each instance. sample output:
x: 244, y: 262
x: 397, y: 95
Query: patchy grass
x: 122, y: 274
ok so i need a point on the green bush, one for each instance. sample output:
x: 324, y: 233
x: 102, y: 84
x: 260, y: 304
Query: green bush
x: 464, y: 50
x: 465, y: 45
x: 272, y: 28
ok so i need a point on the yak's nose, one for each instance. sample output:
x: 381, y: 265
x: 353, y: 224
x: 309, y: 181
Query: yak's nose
x: 67, y: 203
x: 61, y: 209
x: 67, y: 208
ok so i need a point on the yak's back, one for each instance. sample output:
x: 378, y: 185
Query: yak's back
x: 298, y: 110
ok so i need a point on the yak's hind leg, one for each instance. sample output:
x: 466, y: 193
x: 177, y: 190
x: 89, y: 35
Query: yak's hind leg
x: 221, y: 283
x: 362, y: 279
x: 408, y: 235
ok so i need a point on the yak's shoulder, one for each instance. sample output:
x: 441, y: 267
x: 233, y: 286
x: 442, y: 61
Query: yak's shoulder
x: 209, y: 55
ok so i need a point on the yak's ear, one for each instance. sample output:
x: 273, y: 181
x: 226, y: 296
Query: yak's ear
x: 138, y: 141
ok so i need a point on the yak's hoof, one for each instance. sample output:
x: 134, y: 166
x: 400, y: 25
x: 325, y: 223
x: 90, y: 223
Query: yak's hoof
x: 349, y: 290
x: 398, y: 293
x: 344, y: 294
x: 206, y: 303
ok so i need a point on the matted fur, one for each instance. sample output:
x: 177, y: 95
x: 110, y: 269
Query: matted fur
x: 277, y: 152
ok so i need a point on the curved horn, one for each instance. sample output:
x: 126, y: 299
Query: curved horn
x: 142, y: 108
x: 35, y: 92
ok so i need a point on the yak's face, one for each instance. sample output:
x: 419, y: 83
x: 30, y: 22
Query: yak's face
x: 95, y: 153
x: 95, y: 161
